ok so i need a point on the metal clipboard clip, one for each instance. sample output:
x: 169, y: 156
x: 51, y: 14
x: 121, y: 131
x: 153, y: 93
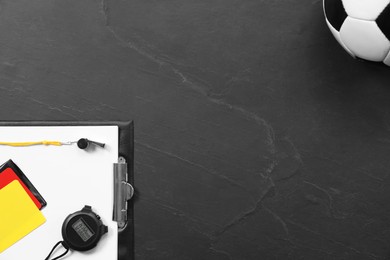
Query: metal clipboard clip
x: 123, y: 191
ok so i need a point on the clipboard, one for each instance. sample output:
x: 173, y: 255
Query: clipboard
x: 124, y: 168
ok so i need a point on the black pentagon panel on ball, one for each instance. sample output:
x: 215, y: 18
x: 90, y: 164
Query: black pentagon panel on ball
x: 335, y: 13
x: 383, y: 21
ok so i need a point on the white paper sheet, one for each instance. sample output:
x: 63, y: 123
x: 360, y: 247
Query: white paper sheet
x: 68, y: 178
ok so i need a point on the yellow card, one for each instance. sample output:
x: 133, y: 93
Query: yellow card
x: 18, y: 214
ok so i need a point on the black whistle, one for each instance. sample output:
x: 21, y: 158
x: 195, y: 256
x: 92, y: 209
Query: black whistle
x: 83, y: 143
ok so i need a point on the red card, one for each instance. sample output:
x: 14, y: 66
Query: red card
x: 8, y: 175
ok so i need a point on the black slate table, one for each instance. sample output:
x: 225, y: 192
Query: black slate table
x: 257, y: 136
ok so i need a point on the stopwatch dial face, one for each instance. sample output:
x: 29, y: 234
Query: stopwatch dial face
x: 81, y: 231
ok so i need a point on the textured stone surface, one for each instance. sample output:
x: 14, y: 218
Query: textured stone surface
x: 257, y: 136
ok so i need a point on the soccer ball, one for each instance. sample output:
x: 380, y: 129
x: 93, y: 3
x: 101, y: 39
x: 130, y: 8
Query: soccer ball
x: 362, y: 27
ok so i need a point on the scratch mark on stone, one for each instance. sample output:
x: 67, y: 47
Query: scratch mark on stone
x: 370, y: 255
x: 132, y: 46
x: 53, y: 108
x: 330, y: 198
x: 181, y: 214
x: 181, y: 75
x: 220, y: 252
x: 348, y: 167
x: 232, y: 164
x: 279, y: 219
x: 175, y: 211
x: 104, y: 11
x: 212, y: 172
x: 267, y: 173
x: 297, y: 154
x: 248, y: 213
x: 253, y: 117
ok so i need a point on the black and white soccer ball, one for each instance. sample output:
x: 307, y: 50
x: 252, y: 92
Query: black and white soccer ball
x: 362, y: 27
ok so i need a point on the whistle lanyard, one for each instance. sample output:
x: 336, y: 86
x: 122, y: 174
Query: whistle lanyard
x: 82, y: 143
x: 44, y: 142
